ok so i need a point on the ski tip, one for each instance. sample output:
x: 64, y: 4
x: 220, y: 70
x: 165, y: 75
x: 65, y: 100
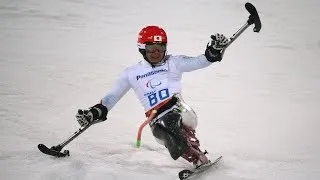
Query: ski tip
x: 40, y: 146
x: 43, y: 148
x: 250, y: 7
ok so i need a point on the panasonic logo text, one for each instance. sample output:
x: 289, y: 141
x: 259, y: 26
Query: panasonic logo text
x: 151, y: 73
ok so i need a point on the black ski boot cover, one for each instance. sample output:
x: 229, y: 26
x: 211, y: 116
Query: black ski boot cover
x: 168, y: 129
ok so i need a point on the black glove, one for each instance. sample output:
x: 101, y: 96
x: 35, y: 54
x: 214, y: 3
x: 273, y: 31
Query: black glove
x: 214, y: 47
x: 95, y: 114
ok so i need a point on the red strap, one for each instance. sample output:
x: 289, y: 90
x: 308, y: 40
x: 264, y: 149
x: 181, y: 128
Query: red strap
x: 157, y: 107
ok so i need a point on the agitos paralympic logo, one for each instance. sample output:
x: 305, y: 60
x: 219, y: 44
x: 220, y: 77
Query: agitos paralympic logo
x: 153, y: 83
x: 151, y: 73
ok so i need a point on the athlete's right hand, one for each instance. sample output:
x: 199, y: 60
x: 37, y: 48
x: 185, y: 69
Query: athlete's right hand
x: 84, y: 117
x: 95, y: 114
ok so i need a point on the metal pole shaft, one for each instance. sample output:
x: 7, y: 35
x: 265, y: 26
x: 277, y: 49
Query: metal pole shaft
x: 235, y: 36
x: 76, y: 134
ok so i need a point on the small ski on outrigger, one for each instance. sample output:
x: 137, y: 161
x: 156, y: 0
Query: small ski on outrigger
x: 188, y: 173
x: 56, y: 150
x: 53, y: 151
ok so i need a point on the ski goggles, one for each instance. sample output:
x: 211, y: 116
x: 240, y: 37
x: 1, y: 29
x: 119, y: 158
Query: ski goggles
x: 154, y: 47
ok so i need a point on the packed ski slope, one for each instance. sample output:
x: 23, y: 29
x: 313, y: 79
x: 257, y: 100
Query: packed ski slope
x: 259, y: 107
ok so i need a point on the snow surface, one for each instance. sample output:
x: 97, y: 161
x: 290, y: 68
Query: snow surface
x: 259, y: 107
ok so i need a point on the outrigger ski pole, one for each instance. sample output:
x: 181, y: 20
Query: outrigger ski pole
x: 253, y: 19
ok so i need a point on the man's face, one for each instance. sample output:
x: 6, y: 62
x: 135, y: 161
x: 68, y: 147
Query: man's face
x: 155, y: 52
